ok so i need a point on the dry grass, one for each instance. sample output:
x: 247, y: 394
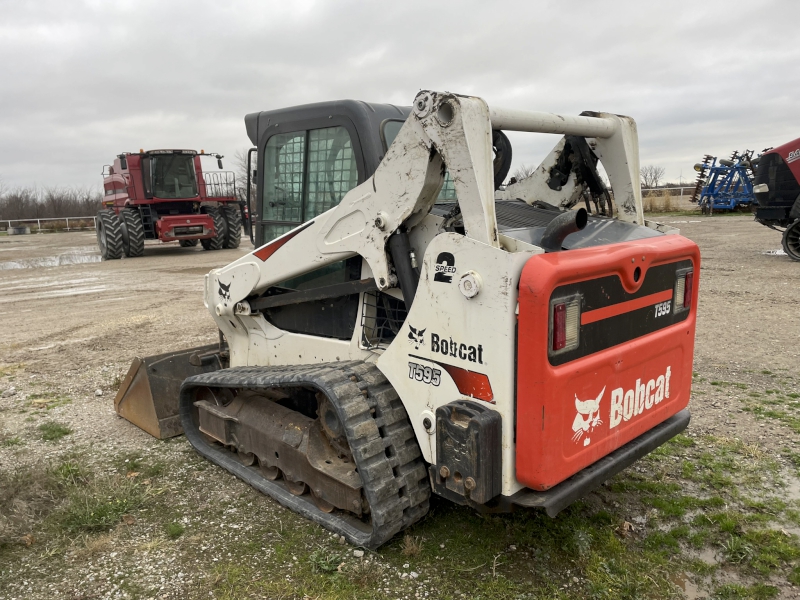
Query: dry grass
x: 26, y: 496
x: 412, y: 545
x: 658, y: 201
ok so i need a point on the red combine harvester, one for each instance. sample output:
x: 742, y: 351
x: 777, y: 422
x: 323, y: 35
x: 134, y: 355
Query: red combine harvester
x: 165, y: 195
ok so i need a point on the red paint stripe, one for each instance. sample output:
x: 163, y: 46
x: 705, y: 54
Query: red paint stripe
x: 624, y: 307
x: 266, y: 251
x: 468, y: 383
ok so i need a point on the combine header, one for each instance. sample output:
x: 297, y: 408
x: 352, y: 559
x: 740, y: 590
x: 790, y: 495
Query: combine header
x: 724, y: 184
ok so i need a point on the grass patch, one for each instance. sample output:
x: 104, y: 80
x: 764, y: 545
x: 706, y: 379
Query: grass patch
x: 47, y: 400
x: 52, y: 431
x: 134, y: 462
x: 26, y: 494
x: 99, y: 506
x: 174, y: 530
x: 735, y: 591
x: 9, y: 442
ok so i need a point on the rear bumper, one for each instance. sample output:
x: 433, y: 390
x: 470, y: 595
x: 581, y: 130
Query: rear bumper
x: 565, y: 493
x: 185, y: 227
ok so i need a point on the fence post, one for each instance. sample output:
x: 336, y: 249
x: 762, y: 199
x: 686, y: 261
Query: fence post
x: 67, y: 223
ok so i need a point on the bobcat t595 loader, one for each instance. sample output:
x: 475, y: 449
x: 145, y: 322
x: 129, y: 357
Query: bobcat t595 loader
x: 405, y: 326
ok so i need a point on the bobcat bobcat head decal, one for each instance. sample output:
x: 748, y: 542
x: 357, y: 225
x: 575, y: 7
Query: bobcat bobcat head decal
x: 416, y: 337
x: 588, y: 417
x: 225, y: 291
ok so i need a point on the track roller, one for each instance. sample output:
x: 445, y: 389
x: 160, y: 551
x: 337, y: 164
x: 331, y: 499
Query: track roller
x: 331, y: 442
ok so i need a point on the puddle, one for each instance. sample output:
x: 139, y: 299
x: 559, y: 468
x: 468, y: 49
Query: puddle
x: 778, y: 252
x: 687, y: 587
x: 708, y: 556
x: 61, y: 260
x: 191, y: 270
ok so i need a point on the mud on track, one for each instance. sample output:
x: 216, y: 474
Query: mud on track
x: 70, y: 325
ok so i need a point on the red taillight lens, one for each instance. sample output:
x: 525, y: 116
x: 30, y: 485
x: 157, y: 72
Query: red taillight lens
x: 687, y: 290
x: 559, y: 326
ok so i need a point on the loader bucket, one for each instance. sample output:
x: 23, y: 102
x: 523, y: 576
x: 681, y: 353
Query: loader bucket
x: 148, y: 396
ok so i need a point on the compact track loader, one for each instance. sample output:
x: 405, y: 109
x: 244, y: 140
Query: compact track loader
x: 406, y: 325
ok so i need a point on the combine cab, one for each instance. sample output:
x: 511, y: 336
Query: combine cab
x: 165, y: 195
x: 777, y: 189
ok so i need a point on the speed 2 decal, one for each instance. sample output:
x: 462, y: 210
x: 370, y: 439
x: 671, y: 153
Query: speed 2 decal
x: 445, y: 267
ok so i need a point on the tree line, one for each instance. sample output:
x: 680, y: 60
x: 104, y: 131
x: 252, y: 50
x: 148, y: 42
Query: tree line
x: 48, y: 202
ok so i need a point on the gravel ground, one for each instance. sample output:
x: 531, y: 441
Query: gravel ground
x: 72, y: 324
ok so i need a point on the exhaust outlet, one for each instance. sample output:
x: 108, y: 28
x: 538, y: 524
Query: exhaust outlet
x: 567, y: 222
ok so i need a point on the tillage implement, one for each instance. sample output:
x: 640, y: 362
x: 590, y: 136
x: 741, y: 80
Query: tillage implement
x: 407, y: 325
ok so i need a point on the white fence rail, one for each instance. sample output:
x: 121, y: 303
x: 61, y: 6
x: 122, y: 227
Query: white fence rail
x: 20, y: 222
x: 650, y: 191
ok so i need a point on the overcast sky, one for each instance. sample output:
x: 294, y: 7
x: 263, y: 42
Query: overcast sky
x: 83, y: 81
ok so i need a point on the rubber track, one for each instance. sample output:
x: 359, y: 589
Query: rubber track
x: 218, y: 240
x: 384, y: 447
x: 233, y: 224
x: 113, y: 230
x: 133, y: 223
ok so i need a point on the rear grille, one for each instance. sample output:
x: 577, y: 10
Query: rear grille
x: 192, y: 230
x: 512, y: 214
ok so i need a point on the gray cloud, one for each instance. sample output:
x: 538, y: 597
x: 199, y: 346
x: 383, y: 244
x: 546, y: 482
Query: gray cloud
x: 83, y: 81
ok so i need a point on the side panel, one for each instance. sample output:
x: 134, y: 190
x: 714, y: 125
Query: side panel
x: 632, y: 368
x: 456, y: 348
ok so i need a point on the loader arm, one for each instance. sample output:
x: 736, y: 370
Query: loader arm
x: 555, y: 180
x: 443, y: 129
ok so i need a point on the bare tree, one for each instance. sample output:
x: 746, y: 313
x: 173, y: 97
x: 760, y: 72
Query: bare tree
x: 523, y: 172
x: 240, y: 168
x: 651, y: 176
x: 55, y: 202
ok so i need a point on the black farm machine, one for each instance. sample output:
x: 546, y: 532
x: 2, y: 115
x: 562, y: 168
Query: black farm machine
x: 777, y: 190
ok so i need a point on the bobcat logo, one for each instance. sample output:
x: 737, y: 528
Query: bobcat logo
x: 225, y: 291
x: 590, y: 409
x: 416, y: 337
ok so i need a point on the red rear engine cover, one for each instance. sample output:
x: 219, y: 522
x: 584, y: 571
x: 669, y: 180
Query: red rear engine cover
x: 632, y: 367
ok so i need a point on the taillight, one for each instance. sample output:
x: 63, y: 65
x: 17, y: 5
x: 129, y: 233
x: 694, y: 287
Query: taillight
x: 687, y: 290
x: 683, y: 290
x: 565, y: 322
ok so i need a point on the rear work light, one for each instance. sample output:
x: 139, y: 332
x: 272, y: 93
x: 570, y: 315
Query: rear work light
x: 683, y: 290
x: 565, y: 324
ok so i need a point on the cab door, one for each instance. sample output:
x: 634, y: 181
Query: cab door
x: 305, y: 172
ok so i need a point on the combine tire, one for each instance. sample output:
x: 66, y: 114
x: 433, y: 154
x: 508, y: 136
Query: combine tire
x: 233, y: 222
x: 188, y: 243
x: 791, y: 240
x: 132, y: 232
x: 109, y: 234
x: 216, y: 242
x: 357, y: 410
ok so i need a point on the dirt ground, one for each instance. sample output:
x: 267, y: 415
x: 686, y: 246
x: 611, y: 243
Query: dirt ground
x: 71, y: 325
